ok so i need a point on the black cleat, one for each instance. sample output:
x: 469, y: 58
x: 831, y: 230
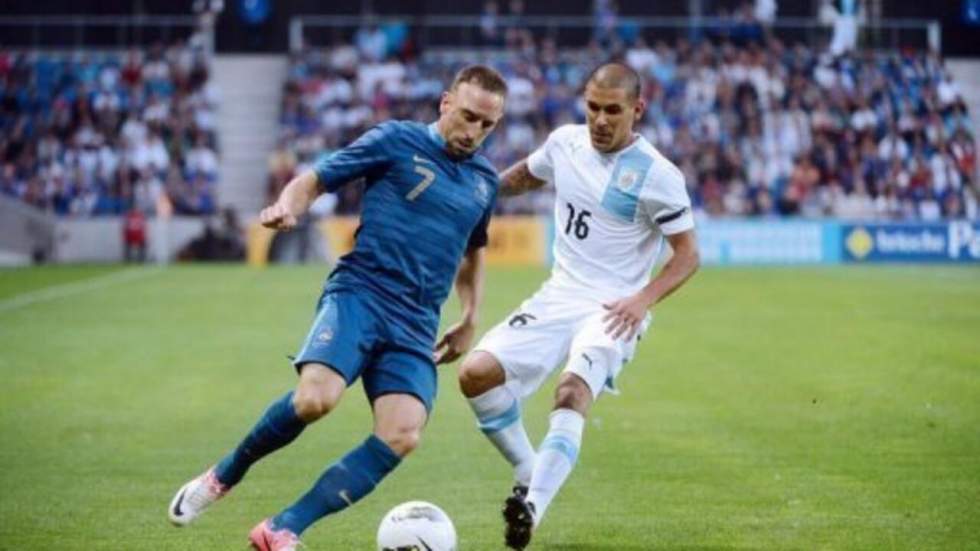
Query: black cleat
x: 520, y: 490
x: 519, y: 516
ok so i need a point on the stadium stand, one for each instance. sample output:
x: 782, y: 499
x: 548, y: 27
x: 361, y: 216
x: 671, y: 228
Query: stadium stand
x: 773, y: 130
x: 99, y: 133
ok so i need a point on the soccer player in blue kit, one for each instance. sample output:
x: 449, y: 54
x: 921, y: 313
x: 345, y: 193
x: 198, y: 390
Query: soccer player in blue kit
x: 427, y: 202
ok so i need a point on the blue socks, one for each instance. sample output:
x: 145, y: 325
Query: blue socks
x: 279, y: 426
x: 341, y: 485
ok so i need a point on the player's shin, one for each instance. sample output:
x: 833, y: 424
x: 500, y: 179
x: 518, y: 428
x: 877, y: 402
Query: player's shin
x: 341, y: 485
x: 498, y: 414
x: 278, y: 427
x: 556, y: 458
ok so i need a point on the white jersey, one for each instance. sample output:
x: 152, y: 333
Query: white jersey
x: 611, y: 211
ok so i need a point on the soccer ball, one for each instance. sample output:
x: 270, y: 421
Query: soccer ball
x: 416, y: 526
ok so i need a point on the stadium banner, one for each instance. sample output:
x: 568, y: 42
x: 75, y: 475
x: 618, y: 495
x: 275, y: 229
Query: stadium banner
x: 338, y: 234
x: 517, y: 241
x: 258, y: 241
x: 733, y: 242
x: 957, y: 241
x: 527, y: 241
x: 514, y: 240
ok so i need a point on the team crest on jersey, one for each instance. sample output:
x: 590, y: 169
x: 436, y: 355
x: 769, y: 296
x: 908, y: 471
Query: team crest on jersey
x: 627, y: 178
x: 482, y: 189
x: 325, y: 336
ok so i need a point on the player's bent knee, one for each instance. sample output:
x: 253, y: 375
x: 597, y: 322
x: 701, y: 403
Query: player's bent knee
x: 318, y: 393
x: 398, y: 421
x: 479, y: 373
x: 311, y: 406
x: 573, y: 393
x: 471, y: 380
x: 402, y: 441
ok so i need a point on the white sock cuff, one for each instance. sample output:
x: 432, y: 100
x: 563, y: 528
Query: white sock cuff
x: 567, y: 421
x: 496, y: 409
x: 492, y: 402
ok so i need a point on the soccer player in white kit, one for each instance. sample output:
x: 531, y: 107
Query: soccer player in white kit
x: 617, y: 198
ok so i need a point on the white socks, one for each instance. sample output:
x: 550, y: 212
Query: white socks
x: 499, y: 415
x: 556, y: 457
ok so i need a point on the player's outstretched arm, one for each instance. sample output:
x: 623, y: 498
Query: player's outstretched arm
x: 469, y: 286
x: 626, y: 315
x: 293, y: 202
x: 681, y: 266
x: 518, y: 179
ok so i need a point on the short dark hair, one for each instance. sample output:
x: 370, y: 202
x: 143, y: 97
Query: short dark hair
x: 484, y: 77
x: 617, y: 75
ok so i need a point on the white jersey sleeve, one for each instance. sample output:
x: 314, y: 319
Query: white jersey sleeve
x: 664, y: 200
x: 541, y: 162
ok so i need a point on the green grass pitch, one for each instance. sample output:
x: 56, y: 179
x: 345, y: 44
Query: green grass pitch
x: 769, y: 408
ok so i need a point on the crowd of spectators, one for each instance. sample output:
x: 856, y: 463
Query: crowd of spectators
x: 759, y: 128
x: 90, y: 133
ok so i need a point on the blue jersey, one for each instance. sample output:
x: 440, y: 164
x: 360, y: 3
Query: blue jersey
x: 421, y: 211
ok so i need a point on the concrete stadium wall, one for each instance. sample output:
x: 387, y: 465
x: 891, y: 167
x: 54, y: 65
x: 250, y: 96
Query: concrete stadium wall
x: 25, y: 233
x: 100, y: 239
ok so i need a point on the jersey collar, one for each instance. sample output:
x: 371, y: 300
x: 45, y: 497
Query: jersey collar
x: 637, y: 137
x: 436, y: 136
x: 441, y: 142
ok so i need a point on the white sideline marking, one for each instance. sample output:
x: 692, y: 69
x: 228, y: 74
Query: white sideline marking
x: 64, y: 290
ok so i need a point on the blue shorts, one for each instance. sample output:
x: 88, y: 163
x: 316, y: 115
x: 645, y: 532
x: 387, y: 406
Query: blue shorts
x: 355, y: 336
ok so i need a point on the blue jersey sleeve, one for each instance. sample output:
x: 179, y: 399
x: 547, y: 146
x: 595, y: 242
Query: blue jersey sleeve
x: 371, y: 152
x: 479, y: 236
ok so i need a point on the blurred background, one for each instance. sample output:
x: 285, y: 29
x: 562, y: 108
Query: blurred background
x: 809, y: 131
x: 814, y: 387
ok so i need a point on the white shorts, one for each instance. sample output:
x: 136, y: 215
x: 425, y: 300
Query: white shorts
x: 550, y: 327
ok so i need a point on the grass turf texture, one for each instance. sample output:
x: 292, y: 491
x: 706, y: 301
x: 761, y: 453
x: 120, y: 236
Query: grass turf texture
x: 830, y: 408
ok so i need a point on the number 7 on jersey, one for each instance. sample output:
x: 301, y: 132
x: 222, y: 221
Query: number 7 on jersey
x: 428, y: 176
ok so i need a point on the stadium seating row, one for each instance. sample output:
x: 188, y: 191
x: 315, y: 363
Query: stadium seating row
x: 758, y: 131
x: 89, y: 134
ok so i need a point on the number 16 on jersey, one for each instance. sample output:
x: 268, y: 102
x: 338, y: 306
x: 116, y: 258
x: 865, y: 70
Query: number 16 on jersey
x: 578, y: 223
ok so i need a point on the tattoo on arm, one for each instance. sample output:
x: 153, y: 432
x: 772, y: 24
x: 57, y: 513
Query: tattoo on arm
x: 518, y: 179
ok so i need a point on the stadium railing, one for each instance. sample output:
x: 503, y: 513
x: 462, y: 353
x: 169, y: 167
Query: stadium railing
x: 453, y: 31
x: 93, y: 32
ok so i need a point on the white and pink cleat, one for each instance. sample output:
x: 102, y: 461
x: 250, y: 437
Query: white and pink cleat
x: 196, y: 496
x: 265, y: 538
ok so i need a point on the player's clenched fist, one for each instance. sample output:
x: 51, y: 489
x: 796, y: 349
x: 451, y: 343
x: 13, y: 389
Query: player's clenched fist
x: 277, y: 217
